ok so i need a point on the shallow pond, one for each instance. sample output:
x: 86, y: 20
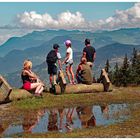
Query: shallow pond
x: 67, y: 119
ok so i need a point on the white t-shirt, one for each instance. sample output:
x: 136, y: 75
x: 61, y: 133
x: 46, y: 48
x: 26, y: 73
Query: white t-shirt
x: 58, y: 55
x: 69, y: 50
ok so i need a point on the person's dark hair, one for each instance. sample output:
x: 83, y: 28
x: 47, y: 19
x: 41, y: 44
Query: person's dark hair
x: 87, y: 41
x: 56, y: 46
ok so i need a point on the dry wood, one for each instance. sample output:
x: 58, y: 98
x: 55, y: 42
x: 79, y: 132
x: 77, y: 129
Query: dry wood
x: 81, y: 88
x: 5, y: 89
x: 62, y: 77
x: 105, y: 80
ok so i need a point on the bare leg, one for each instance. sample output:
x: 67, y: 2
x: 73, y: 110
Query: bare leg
x: 39, y: 89
x: 51, y: 78
x: 34, y: 85
x: 54, y: 79
x: 61, y: 115
x: 68, y: 74
x: 71, y: 72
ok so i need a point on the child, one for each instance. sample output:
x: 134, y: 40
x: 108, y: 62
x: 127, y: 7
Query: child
x: 69, y: 62
x: 52, y: 57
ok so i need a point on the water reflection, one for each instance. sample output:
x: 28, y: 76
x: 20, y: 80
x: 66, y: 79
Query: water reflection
x: 68, y: 119
x: 31, y: 119
x: 1, y: 129
x: 53, y: 118
x: 60, y: 119
x: 105, y: 111
x: 86, y: 116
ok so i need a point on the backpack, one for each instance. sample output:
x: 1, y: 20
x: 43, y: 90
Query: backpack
x: 51, y: 57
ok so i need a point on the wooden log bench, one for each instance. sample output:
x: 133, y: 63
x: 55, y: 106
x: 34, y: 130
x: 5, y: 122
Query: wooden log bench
x: 104, y: 84
x: 5, y: 90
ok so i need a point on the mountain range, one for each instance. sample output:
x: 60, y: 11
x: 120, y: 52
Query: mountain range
x: 114, y: 52
x: 112, y: 45
x: 100, y: 39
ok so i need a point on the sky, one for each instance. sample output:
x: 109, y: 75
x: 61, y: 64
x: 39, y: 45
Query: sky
x: 90, y: 10
x: 20, y: 18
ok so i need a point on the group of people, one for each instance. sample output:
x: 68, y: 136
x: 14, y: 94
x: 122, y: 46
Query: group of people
x: 62, y: 119
x: 83, y: 73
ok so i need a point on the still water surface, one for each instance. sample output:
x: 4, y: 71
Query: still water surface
x: 68, y: 119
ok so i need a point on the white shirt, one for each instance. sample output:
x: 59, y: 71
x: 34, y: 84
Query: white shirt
x: 69, y: 50
x: 58, y: 55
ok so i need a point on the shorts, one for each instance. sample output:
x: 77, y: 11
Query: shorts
x: 27, y: 85
x: 52, y: 69
x: 69, y: 63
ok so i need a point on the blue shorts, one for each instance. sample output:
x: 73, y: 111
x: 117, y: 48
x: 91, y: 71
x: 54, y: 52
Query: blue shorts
x: 52, y: 69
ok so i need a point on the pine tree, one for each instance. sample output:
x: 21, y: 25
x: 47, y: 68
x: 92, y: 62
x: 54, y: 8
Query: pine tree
x: 116, y: 75
x: 128, y: 73
x: 138, y: 70
x: 134, y: 57
x: 107, y: 66
x: 124, y: 72
x: 125, y: 63
x: 134, y: 68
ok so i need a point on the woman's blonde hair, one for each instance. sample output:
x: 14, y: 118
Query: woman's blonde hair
x: 27, y: 64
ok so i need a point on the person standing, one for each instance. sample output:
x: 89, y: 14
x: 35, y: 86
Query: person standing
x: 52, y: 57
x: 69, y: 62
x: 89, y: 53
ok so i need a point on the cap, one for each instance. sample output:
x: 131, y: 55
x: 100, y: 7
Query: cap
x: 56, y: 46
x: 67, y: 42
x: 87, y: 41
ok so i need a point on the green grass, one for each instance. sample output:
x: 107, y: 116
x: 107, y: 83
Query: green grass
x: 118, y: 95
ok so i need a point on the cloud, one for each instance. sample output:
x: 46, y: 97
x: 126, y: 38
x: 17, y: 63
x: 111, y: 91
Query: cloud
x: 29, y: 21
x: 65, y: 20
x: 129, y: 18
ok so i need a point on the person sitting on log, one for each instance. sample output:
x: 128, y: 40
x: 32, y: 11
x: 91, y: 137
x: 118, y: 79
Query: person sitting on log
x: 84, y: 73
x: 30, y: 79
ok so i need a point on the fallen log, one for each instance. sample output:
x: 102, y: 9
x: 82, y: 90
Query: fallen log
x: 103, y: 85
x: 5, y: 88
x: 16, y: 94
x: 80, y: 88
x: 7, y: 94
x: 62, y: 87
x: 19, y: 94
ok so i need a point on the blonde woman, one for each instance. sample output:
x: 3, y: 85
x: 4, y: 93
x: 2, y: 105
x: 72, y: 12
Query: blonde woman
x: 30, y: 79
